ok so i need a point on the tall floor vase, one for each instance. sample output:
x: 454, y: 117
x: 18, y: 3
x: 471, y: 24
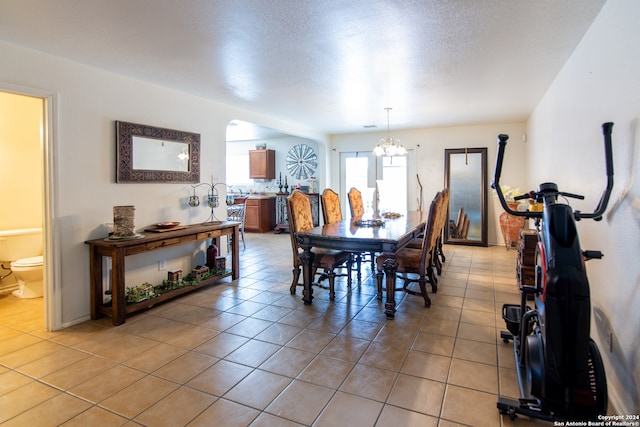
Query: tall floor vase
x: 511, y: 226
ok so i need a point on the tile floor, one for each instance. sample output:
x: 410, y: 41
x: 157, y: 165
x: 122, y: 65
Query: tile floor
x: 248, y: 353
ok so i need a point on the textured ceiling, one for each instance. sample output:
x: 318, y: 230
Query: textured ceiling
x: 330, y: 65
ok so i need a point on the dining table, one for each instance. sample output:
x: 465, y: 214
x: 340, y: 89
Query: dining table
x: 376, y: 232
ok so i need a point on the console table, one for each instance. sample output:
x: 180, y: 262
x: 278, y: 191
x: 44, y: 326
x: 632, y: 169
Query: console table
x: 118, y: 250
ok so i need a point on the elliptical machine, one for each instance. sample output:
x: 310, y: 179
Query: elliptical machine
x: 560, y: 371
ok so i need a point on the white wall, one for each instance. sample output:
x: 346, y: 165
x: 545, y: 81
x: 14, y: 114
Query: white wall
x: 599, y: 83
x: 429, y: 145
x: 87, y: 103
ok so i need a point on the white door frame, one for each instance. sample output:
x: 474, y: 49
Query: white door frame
x: 371, y: 177
x: 51, y: 249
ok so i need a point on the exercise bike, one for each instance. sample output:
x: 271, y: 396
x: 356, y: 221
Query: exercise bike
x: 560, y: 371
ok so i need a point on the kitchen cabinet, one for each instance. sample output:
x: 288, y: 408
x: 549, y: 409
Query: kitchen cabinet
x: 260, y: 214
x: 262, y: 164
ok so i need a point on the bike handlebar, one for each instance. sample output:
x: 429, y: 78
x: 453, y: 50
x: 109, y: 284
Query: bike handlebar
x: 607, y: 129
x: 604, y: 199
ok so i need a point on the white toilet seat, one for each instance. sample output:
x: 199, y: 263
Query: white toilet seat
x: 28, y: 274
x: 35, y: 261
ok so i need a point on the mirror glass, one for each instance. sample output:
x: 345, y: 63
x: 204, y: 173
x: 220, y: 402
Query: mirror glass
x: 157, y: 154
x: 152, y: 154
x: 465, y: 176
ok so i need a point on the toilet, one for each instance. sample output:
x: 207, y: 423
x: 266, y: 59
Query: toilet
x: 23, y: 249
x: 28, y: 273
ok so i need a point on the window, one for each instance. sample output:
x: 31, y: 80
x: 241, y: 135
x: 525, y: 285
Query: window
x: 392, y: 187
x: 355, y: 172
x: 238, y: 170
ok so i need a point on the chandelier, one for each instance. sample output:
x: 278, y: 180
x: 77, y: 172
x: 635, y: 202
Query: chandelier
x: 388, y: 146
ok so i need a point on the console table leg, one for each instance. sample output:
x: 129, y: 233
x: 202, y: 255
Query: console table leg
x: 235, y: 254
x: 118, y: 291
x: 95, y: 277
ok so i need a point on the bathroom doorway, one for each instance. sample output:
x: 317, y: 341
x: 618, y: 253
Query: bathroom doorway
x: 23, y: 134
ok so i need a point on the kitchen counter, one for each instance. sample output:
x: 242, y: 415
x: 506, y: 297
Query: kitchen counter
x: 258, y: 196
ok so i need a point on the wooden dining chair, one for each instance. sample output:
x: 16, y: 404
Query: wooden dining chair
x: 332, y: 212
x: 356, y: 204
x: 416, y: 260
x: 438, y: 257
x: 236, y: 212
x: 328, y: 260
x: 462, y: 218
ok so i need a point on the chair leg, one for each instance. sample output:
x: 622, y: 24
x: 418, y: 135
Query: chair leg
x: 440, y: 251
x: 349, y: 271
x: 244, y: 245
x: 379, y: 276
x: 359, y: 266
x: 432, y: 279
x: 422, y: 281
x: 405, y: 278
x: 436, y: 261
x: 294, y: 283
x: 332, y: 278
x: 322, y: 277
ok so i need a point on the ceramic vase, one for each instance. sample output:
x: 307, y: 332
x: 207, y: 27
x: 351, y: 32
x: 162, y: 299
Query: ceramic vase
x: 511, y: 226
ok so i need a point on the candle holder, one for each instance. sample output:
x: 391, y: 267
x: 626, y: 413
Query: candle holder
x: 194, y: 200
x: 212, y: 200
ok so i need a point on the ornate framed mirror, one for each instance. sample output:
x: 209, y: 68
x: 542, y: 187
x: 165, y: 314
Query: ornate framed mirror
x: 152, y: 154
x: 465, y: 171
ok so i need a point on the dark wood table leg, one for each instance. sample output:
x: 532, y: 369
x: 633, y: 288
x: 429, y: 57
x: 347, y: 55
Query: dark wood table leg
x: 307, y: 274
x: 390, y: 267
x: 118, y: 291
x: 95, y: 278
x: 235, y: 253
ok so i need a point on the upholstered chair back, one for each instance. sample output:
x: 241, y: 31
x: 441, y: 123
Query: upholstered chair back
x: 331, y: 211
x: 299, y: 211
x: 442, y: 220
x: 355, y: 202
x: 430, y: 237
x: 437, y: 218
